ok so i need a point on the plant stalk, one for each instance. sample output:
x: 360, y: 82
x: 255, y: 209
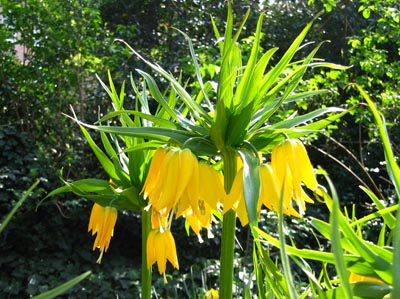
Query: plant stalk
x: 229, y: 157
x: 146, y: 272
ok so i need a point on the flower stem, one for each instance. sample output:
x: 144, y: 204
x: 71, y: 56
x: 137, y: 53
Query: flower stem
x: 227, y: 254
x: 146, y: 272
x: 228, y: 229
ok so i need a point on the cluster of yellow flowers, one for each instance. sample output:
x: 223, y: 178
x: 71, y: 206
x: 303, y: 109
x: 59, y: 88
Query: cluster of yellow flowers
x: 290, y: 167
x: 178, y: 185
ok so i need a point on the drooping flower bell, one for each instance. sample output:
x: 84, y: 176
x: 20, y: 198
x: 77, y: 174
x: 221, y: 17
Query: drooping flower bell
x: 102, y: 222
x: 210, y: 195
x: 270, y: 189
x: 292, y: 167
x: 173, y: 174
x: 235, y: 199
x: 160, y: 248
x: 212, y: 294
x: 172, y: 186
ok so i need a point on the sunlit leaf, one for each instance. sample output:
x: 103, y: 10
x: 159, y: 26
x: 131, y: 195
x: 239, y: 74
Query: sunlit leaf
x: 53, y: 293
x: 251, y: 181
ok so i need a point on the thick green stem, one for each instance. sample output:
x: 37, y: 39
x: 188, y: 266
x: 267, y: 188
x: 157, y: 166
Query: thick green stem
x: 146, y: 272
x: 227, y: 254
x: 228, y: 229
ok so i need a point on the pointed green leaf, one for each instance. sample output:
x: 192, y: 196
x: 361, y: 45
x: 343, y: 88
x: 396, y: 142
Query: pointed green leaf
x: 53, y: 293
x: 337, y: 248
x: 151, y: 133
x: 105, y: 162
x: 251, y: 182
x: 17, y: 206
x: 315, y: 255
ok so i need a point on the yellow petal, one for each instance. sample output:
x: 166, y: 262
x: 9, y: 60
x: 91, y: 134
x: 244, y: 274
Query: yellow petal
x: 96, y: 217
x: 279, y: 161
x: 164, y: 196
x: 357, y: 278
x: 212, y: 294
x: 242, y: 212
x: 212, y: 185
x: 307, y: 172
x: 270, y: 188
x: 194, y: 222
x: 171, y: 249
x: 154, y: 171
x: 160, y: 254
x: 189, y: 176
x: 292, y: 167
x: 102, y: 222
x: 158, y: 220
x: 231, y: 200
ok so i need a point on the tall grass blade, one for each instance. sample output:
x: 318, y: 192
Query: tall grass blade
x: 53, y: 293
x: 17, y: 206
x: 284, y: 256
x: 337, y: 245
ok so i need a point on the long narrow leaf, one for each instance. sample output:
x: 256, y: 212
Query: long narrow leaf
x: 251, y: 181
x: 393, y: 167
x: 305, y: 118
x: 282, y: 248
x: 245, y: 90
x: 199, y: 112
x: 161, y: 134
x: 63, y: 288
x: 306, y: 253
x: 272, y: 75
x: 107, y: 164
x: 394, y: 173
x: 337, y: 248
x: 197, y: 69
x: 384, y: 212
x: 17, y: 206
x: 158, y: 121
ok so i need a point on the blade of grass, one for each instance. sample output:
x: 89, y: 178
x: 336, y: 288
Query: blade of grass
x: 17, y: 206
x: 394, y: 173
x: 393, y: 167
x: 63, y: 288
x: 284, y: 256
x: 337, y: 248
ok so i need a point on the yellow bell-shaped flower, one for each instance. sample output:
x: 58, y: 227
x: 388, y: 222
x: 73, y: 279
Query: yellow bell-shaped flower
x: 235, y: 199
x: 160, y: 248
x: 271, y: 192
x: 292, y: 167
x: 102, y: 222
x: 198, y: 211
x: 173, y: 175
x: 212, y: 185
x: 212, y: 294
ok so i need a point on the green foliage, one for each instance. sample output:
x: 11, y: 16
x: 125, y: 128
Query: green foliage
x: 350, y: 252
x: 9, y: 216
x: 20, y: 165
x: 69, y: 43
x: 55, y: 291
x: 375, y: 54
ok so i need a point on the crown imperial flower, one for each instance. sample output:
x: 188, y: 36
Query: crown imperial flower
x: 212, y: 294
x: 292, y: 167
x: 102, y: 221
x: 160, y: 248
x: 235, y: 199
x: 172, y: 185
x: 172, y: 175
